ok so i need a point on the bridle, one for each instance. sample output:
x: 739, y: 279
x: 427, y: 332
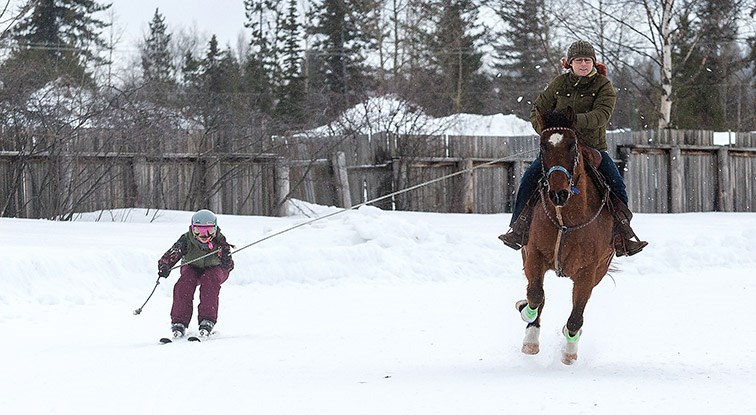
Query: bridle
x: 558, y: 221
x: 560, y: 168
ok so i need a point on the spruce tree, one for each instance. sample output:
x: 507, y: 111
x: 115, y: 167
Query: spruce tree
x: 292, y: 89
x: 706, y: 63
x: 157, y: 66
x: 343, y: 46
x: 57, y: 38
x: 524, y: 64
x: 261, y: 73
x: 456, y: 56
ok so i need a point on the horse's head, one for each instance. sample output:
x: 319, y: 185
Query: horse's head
x: 560, y: 153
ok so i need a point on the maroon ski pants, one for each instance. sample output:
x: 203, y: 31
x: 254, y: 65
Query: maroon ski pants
x: 209, y: 281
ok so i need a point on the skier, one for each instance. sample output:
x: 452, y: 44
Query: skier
x: 206, y: 259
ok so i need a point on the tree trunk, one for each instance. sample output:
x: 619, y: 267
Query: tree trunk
x: 665, y: 106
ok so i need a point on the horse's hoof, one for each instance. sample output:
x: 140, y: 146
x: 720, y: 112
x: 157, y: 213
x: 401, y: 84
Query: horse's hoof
x: 530, y: 342
x: 569, y: 358
x: 531, y: 348
x: 520, y: 305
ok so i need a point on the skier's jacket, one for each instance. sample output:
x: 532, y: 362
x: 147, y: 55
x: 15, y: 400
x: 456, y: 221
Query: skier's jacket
x: 189, y: 249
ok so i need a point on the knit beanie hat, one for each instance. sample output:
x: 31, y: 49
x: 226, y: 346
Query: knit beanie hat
x: 580, y: 49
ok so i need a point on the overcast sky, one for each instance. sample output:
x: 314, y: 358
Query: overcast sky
x: 224, y: 18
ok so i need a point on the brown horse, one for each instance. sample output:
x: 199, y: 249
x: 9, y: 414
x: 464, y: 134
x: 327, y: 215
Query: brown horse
x: 571, y: 229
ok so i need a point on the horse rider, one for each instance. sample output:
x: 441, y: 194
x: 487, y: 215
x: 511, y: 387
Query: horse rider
x: 589, y: 92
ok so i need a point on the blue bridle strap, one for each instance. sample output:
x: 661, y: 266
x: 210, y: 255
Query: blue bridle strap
x: 559, y: 168
x: 574, y: 189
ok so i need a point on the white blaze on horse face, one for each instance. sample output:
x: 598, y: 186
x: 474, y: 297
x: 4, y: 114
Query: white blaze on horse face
x: 555, y: 139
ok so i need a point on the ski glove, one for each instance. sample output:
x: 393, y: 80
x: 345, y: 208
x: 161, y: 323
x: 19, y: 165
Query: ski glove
x: 164, y: 270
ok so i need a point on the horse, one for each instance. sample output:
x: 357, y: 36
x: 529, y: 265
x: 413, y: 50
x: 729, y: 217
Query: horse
x: 570, y: 231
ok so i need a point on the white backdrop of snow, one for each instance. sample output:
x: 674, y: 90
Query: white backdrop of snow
x: 373, y: 312
x: 392, y: 114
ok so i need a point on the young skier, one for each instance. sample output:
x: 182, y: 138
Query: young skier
x: 206, y: 259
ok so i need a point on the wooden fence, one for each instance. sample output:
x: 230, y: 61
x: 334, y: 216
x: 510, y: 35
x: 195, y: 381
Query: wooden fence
x: 668, y: 171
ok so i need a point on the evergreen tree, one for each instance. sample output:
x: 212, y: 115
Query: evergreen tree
x: 343, y: 46
x: 413, y: 58
x: 211, y: 83
x: 261, y: 69
x: 213, y: 92
x: 704, y: 65
x: 255, y: 84
x: 190, y: 72
x: 525, y: 64
x: 456, y: 56
x: 157, y: 66
x: 262, y: 19
x: 291, y: 92
x: 748, y: 119
x: 57, y: 38
x: 752, y: 46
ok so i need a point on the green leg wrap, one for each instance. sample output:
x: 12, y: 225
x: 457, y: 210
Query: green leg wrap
x: 571, y: 339
x: 528, y: 314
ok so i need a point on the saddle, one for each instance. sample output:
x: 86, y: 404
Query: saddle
x: 617, y: 208
x: 622, y: 233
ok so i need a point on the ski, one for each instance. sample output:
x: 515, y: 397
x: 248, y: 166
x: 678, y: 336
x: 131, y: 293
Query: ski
x: 200, y: 338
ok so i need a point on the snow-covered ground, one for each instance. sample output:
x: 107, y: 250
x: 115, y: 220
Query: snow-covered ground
x: 373, y: 312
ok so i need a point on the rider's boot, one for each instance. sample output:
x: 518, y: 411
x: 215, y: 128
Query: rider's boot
x: 517, y: 236
x: 623, y: 234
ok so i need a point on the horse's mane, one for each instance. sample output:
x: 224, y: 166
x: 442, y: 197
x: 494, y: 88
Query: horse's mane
x: 564, y: 118
x: 558, y: 119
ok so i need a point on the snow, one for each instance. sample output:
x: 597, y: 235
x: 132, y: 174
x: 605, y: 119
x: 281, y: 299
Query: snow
x: 394, y: 114
x: 372, y: 312
x: 724, y: 138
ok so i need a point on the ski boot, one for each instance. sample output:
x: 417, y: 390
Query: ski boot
x: 178, y: 330
x: 206, y: 328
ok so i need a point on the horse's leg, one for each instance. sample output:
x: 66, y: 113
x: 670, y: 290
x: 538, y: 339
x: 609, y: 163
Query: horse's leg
x: 531, y: 308
x: 581, y: 291
x: 530, y: 343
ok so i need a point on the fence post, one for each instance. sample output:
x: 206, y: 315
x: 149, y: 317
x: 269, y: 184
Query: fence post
x: 399, y: 172
x: 214, y: 185
x: 139, y: 169
x: 28, y: 201
x: 66, y: 164
x: 338, y: 161
x: 724, y: 193
x: 623, y: 153
x: 676, y: 183
x: 468, y: 186
x: 282, y: 188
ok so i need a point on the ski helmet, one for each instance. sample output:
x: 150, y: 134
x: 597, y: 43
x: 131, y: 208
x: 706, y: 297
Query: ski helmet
x: 204, y: 224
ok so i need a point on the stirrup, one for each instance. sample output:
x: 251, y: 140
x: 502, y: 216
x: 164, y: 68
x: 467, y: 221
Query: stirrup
x: 511, y: 239
x: 628, y: 247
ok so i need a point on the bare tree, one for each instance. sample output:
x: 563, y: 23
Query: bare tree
x: 656, y: 35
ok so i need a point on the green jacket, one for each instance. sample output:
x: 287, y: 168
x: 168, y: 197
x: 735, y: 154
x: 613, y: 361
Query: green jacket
x: 592, y: 97
x: 188, y: 249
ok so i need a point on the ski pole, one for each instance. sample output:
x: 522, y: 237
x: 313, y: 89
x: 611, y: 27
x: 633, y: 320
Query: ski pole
x: 139, y: 310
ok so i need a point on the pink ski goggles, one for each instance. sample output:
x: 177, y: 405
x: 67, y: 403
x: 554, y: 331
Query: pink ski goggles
x: 203, y: 230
